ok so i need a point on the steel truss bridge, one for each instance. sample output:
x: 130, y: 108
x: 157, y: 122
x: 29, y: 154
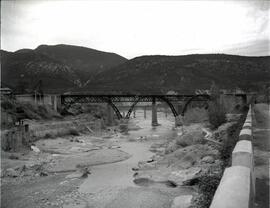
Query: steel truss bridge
x: 68, y: 100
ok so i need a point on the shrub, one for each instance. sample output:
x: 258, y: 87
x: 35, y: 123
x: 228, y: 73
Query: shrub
x: 230, y: 141
x: 216, y: 110
x: 13, y: 157
x: 6, y: 105
x: 74, y: 132
x: 207, y: 184
x: 216, y: 114
x: 195, y: 115
x: 48, y: 135
x: 190, y: 138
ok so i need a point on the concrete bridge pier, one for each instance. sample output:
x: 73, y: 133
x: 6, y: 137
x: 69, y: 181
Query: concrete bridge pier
x: 179, y: 108
x: 154, y: 113
x: 54, y: 102
x: 178, y: 120
x: 144, y: 112
x: 109, y: 115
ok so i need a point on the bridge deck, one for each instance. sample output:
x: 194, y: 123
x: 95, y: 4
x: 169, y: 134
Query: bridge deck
x: 128, y: 98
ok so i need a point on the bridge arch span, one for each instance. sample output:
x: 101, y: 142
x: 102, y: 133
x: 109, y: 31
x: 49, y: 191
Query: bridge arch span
x: 175, y: 113
x: 132, y: 107
x: 105, y: 100
x: 191, y: 99
x: 115, y: 109
x: 162, y: 98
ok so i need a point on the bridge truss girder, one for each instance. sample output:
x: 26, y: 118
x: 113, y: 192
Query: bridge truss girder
x: 68, y: 100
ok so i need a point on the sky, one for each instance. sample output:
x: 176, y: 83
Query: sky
x: 133, y: 28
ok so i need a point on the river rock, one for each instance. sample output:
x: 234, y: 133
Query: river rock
x: 35, y: 149
x: 183, y: 201
x: 153, y: 175
x: 13, y: 157
x: 233, y: 117
x: 182, y: 177
x: 114, y: 147
x: 11, y: 172
x: 160, y: 150
x: 208, y: 159
x: 172, y: 146
x: 123, y: 128
x: 82, y: 173
x: 143, y: 165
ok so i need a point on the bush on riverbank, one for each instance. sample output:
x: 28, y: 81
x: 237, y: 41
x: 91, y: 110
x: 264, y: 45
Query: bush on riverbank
x: 216, y: 109
x: 190, y: 138
x: 216, y: 114
x: 229, y: 141
x: 62, y: 132
x: 209, y: 181
x: 14, y: 111
x: 196, y: 115
x: 207, y: 184
x: 98, y: 111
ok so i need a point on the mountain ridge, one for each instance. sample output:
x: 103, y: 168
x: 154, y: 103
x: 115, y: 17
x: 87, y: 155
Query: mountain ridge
x: 55, y: 65
x: 186, y: 73
x: 70, y: 68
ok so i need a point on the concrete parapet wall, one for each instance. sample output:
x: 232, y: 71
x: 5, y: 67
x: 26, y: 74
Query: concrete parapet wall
x: 243, y: 154
x: 237, y: 186
x: 234, y: 189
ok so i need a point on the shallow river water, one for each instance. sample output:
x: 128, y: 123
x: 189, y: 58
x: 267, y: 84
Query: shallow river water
x: 120, y: 174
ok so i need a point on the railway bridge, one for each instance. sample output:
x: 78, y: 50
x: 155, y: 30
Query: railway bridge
x: 177, y: 103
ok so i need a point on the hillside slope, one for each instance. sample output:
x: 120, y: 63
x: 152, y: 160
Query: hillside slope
x: 185, y: 73
x: 59, y: 67
x: 84, y: 61
x: 23, y: 69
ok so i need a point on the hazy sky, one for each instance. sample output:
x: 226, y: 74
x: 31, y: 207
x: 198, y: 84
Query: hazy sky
x: 134, y: 28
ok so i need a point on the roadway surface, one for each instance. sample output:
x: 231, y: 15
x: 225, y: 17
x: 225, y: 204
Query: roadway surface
x: 261, y: 132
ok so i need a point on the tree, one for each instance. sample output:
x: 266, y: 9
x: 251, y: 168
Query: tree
x: 216, y: 110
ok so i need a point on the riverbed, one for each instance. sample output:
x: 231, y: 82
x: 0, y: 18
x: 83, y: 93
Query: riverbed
x: 112, y: 185
x: 111, y: 157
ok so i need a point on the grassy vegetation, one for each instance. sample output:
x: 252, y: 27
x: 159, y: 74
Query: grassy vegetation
x: 230, y: 141
x: 207, y: 184
x: 68, y: 132
x: 196, y: 115
x: 74, y: 132
x: 209, y: 181
x: 216, y: 114
x: 216, y: 110
x: 191, y: 138
x: 98, y: 111
x: 15, y: 111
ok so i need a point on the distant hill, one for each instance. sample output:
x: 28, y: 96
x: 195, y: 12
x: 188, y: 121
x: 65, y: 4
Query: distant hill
x: 60, y: 67
x: 84, y: 61
x: 185, y: 74
x: 63, y: 68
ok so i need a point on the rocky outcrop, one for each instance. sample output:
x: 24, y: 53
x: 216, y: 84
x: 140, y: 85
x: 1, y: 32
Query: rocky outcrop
x: 183, y: 201
x: 182, y: 177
